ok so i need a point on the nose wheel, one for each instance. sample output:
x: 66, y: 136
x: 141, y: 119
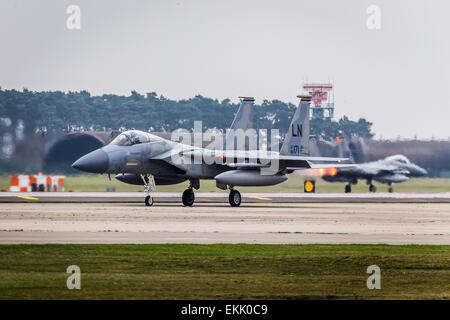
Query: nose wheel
x: 149, y: 186
x: 148, y: 201
x: 235, y: 198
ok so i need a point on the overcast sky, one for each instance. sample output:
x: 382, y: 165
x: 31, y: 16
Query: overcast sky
x: 397, y: 77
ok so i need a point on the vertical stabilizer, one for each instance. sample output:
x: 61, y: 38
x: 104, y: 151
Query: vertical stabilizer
x: 244, y: 117
x: 242, y: 122
x: 296, y: 142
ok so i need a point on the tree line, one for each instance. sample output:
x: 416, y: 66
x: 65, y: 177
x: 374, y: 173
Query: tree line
x: 31, y: 112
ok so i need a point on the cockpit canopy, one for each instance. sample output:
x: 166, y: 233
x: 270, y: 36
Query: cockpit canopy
x: 132, y: 137
x: 399, y: 158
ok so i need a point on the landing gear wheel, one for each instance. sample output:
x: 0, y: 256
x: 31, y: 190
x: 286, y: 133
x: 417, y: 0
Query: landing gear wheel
x: 188, y: 197
x: 149, y: 186
x: 372, y: 188
x: 148, y: 201
x: 348, y: 188
x: 390, y: 190
x: 235, y: 198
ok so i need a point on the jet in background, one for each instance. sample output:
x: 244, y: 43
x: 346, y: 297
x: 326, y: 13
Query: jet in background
x: 140, y: 156
x: 392, y: 169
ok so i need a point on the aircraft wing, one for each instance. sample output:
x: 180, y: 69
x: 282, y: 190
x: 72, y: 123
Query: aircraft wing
x: 260, y: 159
x: 266, y: 155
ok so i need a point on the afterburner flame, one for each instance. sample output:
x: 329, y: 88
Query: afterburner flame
x: 327, y: 172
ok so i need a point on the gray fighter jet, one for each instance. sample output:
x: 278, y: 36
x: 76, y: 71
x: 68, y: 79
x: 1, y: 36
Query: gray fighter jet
x: 142, y: 158
x: 392, y: 169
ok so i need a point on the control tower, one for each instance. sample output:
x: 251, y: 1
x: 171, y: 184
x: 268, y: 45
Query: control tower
x: 322, y: 94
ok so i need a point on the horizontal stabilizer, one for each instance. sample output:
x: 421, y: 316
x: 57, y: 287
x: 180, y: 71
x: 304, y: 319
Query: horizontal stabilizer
x: 328, y: 166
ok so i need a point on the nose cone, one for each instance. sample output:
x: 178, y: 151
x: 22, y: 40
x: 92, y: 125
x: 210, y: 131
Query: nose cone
x: 421, y: 172
x: 95, y: 162
x: 417, y: 171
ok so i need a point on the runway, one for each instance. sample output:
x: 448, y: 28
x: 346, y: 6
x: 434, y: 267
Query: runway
x: 214, y: 197
x: 262, y: 222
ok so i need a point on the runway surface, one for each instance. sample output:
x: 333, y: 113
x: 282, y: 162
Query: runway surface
x: 263, y: 222
x: 222, y: 197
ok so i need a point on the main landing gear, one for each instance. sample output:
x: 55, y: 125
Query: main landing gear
x: 188, y: 196
x: 149, y: 186
x: 348, y: 188
x: 391, y: 189
x: 234, y: 198
x: 372, y: 188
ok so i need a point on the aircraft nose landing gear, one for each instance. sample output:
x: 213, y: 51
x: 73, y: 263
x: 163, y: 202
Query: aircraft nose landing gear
x: 148, y: 201
x: 149, y: 185
x: 235, y: 198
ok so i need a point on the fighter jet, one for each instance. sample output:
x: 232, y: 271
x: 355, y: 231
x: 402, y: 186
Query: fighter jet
x: 139, y: 157
x: 393, y: 169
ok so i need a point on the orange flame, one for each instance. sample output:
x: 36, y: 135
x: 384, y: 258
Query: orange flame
x: 327, y: 172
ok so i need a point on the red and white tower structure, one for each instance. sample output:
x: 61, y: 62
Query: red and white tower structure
x: 322, y: 102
